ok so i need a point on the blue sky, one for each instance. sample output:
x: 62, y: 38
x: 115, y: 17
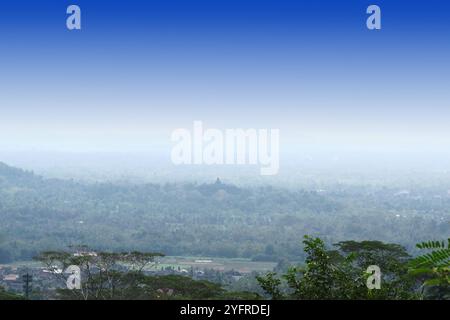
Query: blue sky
x: 139, y: 69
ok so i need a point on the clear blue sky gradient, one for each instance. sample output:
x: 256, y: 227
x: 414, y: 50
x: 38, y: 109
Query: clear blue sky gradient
x: 139, y: 69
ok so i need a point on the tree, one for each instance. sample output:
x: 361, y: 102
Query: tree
x: 341, y: 274
x: 101, y: 272
x: 120, y: 276
x: 392, y: 259
x: 271, y: 285
x: 326, y: 275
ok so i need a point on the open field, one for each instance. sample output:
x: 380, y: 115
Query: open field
x: 219, y: 264
x: 197, y: 263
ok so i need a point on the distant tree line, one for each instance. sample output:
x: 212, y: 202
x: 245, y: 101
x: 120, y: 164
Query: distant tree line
x: 217, y: 219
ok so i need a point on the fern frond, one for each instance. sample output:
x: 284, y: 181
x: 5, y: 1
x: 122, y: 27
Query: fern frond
x: 433, y: 245
x: 439, y: 257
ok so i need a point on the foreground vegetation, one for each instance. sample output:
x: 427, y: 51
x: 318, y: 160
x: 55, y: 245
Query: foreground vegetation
x: 340, y: 273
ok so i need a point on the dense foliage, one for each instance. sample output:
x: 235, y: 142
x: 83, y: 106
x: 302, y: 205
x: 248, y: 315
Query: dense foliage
x: 434, y: 268
x: 342, y: 273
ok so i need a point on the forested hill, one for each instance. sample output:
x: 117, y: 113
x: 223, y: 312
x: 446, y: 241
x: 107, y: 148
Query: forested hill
x: 14, y: 176
x: 216, y: 219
